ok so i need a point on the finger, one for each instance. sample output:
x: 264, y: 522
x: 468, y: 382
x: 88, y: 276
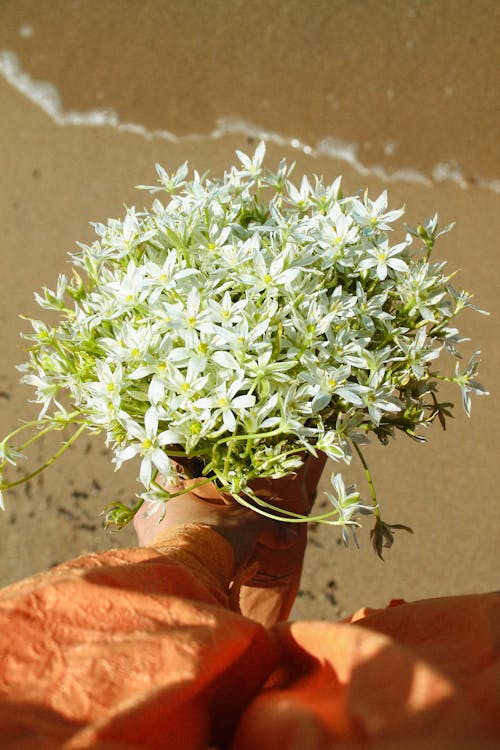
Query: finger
x: 276, y: 535
x: 208, y: 492
x: 146, y: 523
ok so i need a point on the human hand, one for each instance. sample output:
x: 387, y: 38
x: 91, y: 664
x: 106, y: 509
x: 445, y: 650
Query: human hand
x: 241, y: 527
x: 246, y: 530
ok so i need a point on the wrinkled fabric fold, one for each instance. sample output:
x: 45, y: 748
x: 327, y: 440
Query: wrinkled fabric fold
x: 139, y: 648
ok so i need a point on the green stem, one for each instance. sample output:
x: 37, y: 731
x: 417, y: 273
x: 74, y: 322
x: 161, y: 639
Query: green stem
x: 25, y: 426
x: 51, y: 428
x: 34, y: 423
x: 255, y: 435
x: 264, y: 466
x: 296, y: 517
x: 155, y: 247
x: 66, y: 445
x: 229, y: 450
x: 369, y: 480
x: 444, y: 322
x: 185, y: 489
x: 35, y: 438
x: 138, y: 506
x: 248, y: 448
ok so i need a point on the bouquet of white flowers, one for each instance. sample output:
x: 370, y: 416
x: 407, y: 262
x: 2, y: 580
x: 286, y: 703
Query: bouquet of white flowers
x: 238, y: 327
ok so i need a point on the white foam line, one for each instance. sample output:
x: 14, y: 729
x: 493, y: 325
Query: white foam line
x: 47, y: 97
x: 331, y: 147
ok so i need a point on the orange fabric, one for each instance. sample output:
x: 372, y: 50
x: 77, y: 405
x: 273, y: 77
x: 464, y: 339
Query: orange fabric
x: 137, y: 649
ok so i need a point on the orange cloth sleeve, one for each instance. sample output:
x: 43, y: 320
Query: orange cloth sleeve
x: 137, y: 649
x: 129, y: 649
x: 420, y: 675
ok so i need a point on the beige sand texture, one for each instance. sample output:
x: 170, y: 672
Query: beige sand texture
x: 395, y: 94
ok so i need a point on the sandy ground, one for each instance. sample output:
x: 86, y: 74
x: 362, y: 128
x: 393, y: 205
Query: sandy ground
x: 409, y: 85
